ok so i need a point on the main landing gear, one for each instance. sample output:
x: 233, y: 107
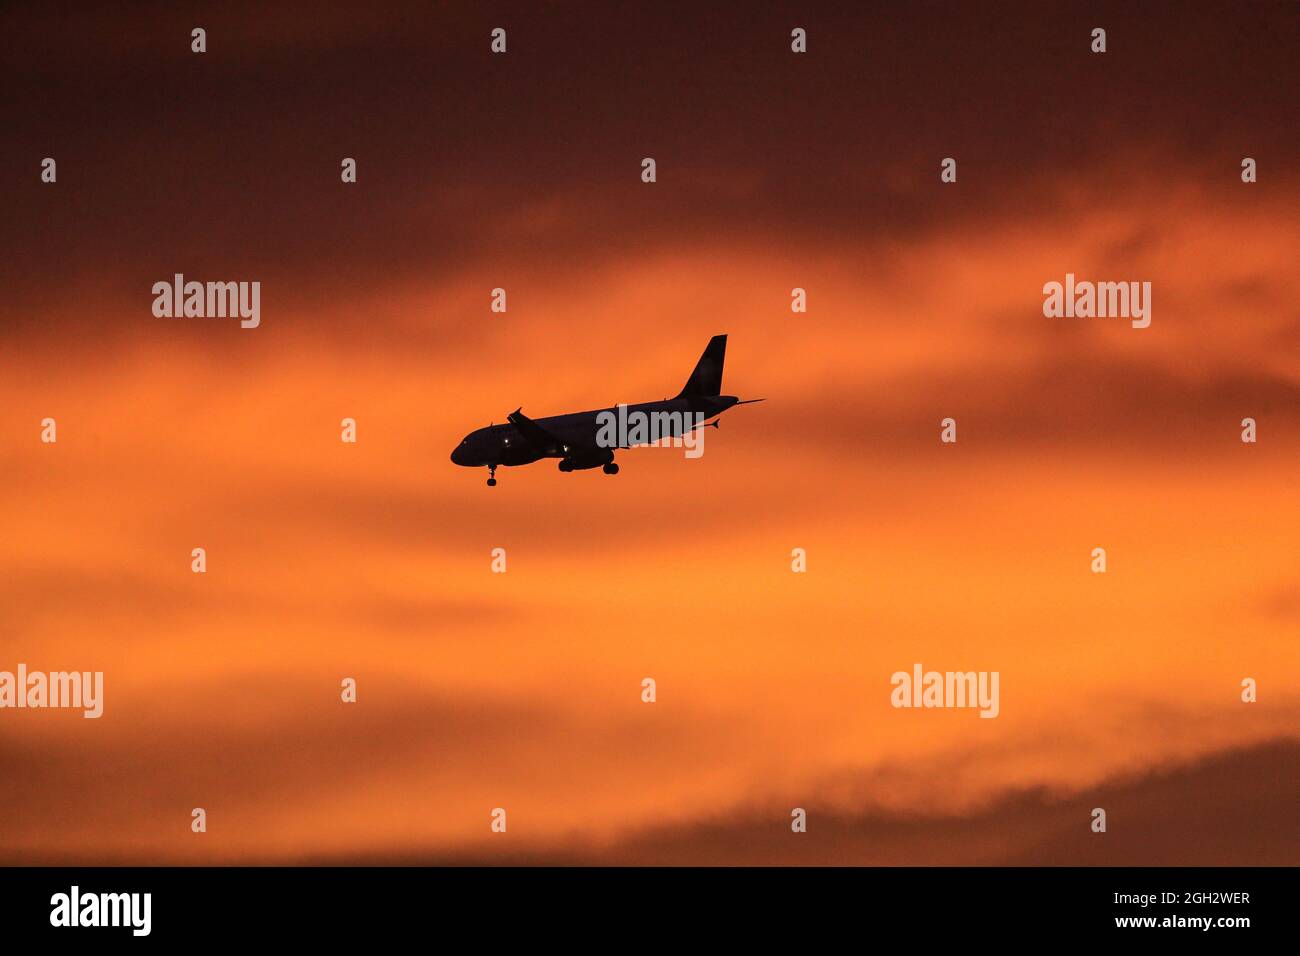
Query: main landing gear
x: 610, y: 469
x: 492, y: 476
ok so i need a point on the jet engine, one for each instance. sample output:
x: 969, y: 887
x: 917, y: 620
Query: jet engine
x: 587, y: 458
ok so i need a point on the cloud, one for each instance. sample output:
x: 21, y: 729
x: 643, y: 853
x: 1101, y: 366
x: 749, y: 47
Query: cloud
x: 532, y: 159
x: 281, y: 765
x: 1242, y: 814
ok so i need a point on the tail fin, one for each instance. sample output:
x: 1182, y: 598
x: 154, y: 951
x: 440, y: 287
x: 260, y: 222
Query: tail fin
x: 707, y: 377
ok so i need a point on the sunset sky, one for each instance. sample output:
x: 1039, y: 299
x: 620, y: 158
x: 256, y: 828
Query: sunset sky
x: 523, y: 690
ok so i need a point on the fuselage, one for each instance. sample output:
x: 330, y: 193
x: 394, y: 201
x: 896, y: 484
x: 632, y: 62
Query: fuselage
x: 579, y: 433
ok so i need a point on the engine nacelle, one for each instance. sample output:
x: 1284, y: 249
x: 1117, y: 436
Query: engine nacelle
x: 581, y: 461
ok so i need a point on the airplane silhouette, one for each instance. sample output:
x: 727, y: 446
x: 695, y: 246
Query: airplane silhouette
x: 576, y: 439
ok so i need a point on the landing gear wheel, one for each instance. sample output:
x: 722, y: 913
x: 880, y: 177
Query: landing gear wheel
x: 492, y: 476
x: 611, y: 469
x: 492, y: 482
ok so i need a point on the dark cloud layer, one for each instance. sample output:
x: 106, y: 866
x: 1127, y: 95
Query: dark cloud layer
x: 1233, y: 808
x: 227, y: 164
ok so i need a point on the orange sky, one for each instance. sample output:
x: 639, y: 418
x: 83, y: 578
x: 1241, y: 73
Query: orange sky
x: 522, y: 690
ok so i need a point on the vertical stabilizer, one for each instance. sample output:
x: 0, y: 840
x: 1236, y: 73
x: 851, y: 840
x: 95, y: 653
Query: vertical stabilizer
x: 707, y: 377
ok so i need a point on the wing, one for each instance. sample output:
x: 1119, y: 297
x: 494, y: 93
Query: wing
x: 537, y: 436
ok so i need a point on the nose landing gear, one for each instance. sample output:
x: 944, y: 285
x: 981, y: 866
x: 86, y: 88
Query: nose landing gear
x: 610, y: 469
x: 492, y: 476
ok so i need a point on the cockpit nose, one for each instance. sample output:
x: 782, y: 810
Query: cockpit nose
x: 460, y: 454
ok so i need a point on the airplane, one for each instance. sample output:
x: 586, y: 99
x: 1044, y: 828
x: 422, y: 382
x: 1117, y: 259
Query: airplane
x: 576, y: 440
